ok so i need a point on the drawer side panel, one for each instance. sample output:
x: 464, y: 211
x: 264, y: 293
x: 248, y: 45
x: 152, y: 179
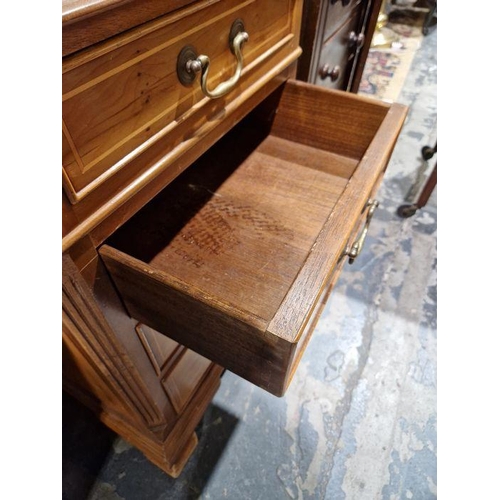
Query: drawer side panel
x: 328, y: 119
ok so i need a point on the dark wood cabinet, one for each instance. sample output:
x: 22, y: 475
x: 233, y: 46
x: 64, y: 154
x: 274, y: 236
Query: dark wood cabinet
x: 335, y: 38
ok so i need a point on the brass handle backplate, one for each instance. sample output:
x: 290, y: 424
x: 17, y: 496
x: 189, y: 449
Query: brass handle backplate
x: 356, y: 248
x: 189, y: 64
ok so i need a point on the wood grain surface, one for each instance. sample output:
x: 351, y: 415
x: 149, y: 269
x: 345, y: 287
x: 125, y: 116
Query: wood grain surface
x: 366, y: 124
x: 109, y: 206
x: 129, y: 129
x: 183, y: 380
x: 337, y: 50
x: 105, y: 375
x: 242, y: 216
x: 119, y: 96
x: 231, y: 259
x: 87, y: 22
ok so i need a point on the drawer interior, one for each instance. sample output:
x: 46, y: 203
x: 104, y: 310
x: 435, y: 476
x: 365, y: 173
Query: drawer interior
x: 231, y: 258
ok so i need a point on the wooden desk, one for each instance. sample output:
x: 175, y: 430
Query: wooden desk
x: 156, y: 306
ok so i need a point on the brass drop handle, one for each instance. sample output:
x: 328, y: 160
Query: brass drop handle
x: 189, y: 64
x: 327, y: 71
x: 356, y: 40
x: 356, y: 248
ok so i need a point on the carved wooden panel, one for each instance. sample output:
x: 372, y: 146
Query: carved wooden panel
x: 87, y: 328
x: 160, y: 349
x: 181, y: 383
x: 180, y: 369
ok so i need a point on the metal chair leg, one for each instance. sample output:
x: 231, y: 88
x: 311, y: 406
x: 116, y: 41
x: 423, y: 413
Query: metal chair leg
x: 429, y: 17
x: 406, y: 211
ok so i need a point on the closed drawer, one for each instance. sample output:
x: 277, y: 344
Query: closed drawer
x: 337, y: 56
x: 85, y: 23
x: 232, y: 258
x: 123, y: 97
x: 338, y: 11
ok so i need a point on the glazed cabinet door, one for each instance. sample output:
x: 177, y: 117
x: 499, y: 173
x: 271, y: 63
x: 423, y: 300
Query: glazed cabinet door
x: 335, y: 38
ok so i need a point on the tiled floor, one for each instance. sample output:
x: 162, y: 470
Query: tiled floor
x: 359, y: 420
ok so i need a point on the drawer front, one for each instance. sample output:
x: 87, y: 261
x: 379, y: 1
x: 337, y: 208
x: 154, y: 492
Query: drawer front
x: 86, y: 23
x: 356, y: 242
x: 234, y: 258
x: 313, y: 320
x: 337, y: 13
x: 123, y: 96
x: 337, y: 56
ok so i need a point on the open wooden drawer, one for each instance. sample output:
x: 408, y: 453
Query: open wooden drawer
x: 234, y: 257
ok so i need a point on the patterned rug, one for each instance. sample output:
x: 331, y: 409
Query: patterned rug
x: 386, y: 68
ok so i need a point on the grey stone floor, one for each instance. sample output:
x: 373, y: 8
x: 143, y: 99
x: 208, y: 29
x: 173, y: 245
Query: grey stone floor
x: 359, y: 419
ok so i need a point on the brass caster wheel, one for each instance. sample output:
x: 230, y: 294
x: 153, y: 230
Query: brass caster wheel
x: 428, y: 152
x: 406, y: 211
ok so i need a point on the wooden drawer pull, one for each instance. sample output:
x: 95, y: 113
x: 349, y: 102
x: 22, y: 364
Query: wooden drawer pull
x: 356, y: 248
x: 188, y: 64
x: 327, y: 71
x: 356, y: 40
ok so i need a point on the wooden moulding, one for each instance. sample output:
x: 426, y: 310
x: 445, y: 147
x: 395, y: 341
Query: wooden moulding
x: 123, y: 96
x: 103, y: 211
x: 232, y: 259
x: 87, y: 22
x: 103, y: 375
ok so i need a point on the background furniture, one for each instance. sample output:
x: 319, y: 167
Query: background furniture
x: 429, y: 18
x: 427, y: 6
x: 335, y: 38
x: 408, y: 210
